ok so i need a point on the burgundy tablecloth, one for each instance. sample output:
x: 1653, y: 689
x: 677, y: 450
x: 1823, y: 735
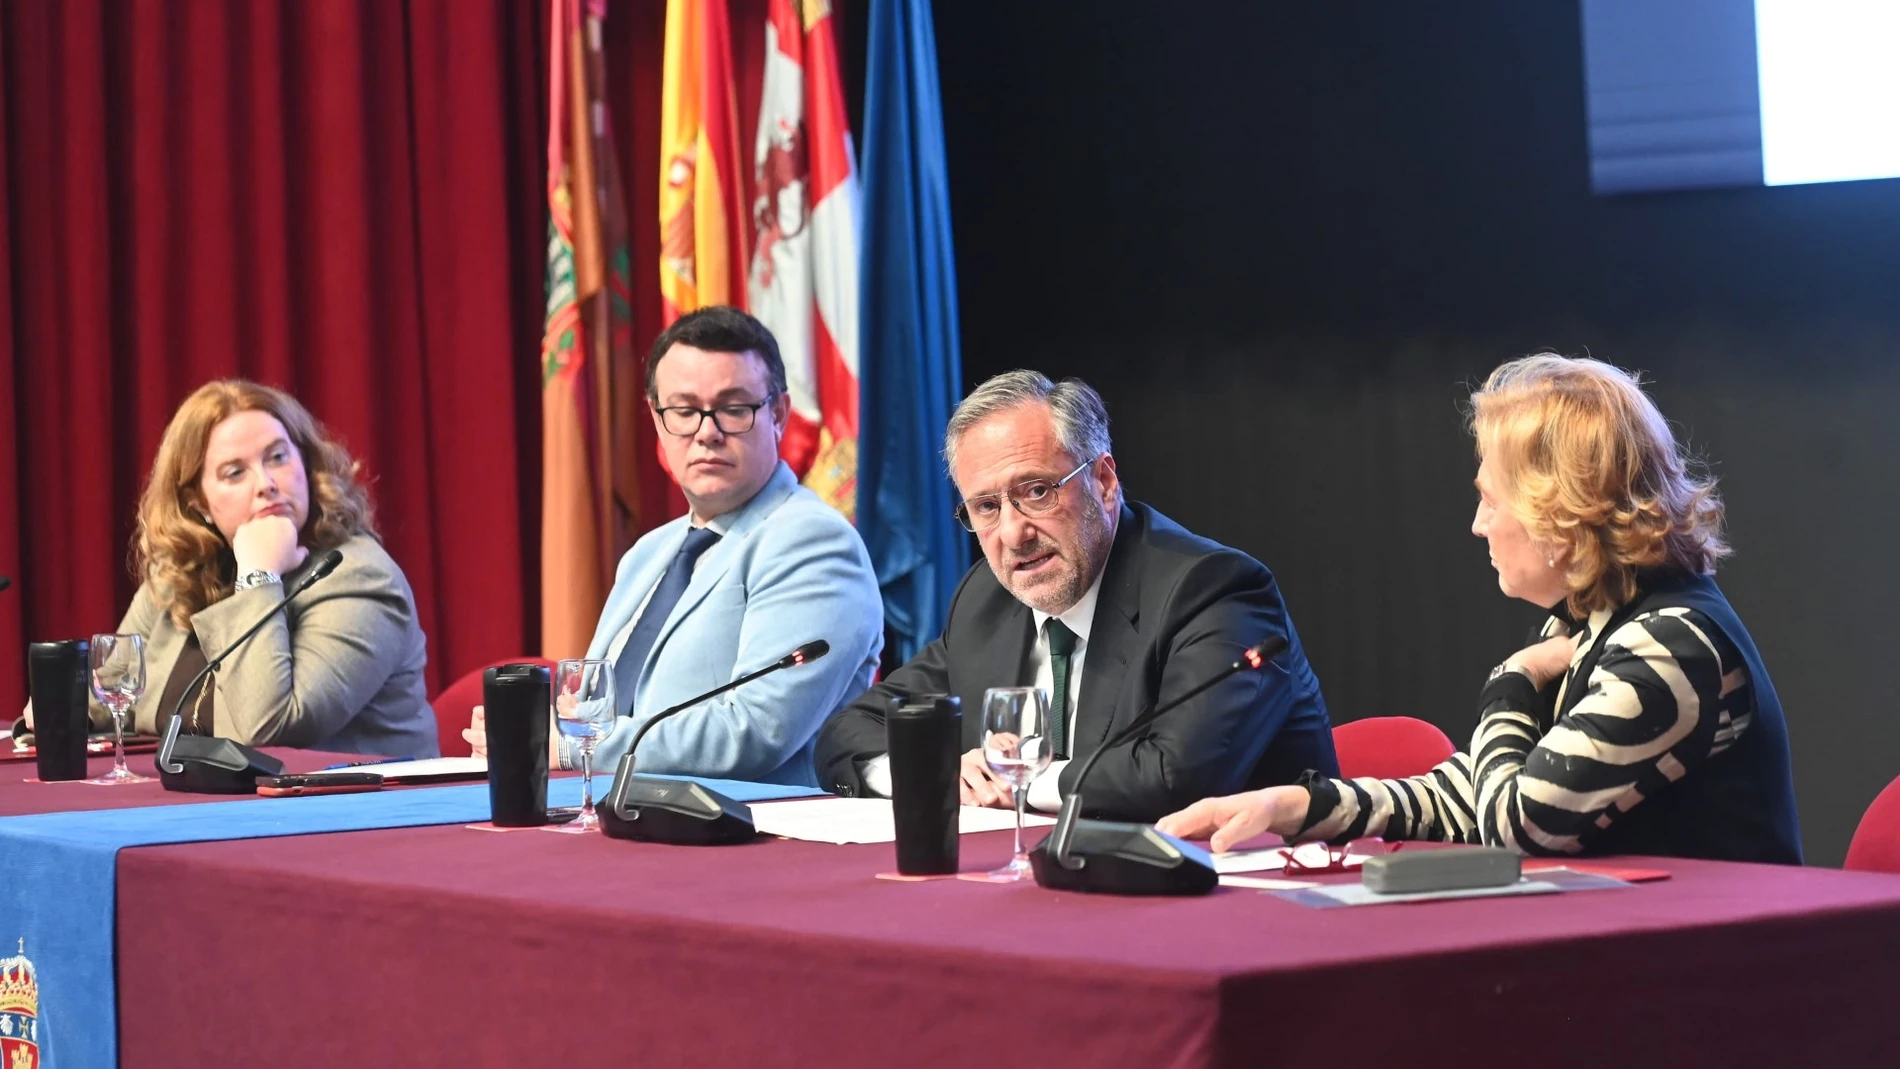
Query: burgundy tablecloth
x: 447, y: 946
x: 22, y: 793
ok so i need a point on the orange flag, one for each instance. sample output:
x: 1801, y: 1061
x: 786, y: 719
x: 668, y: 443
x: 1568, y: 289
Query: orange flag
x: 590, y: 387
x: 702, y: 232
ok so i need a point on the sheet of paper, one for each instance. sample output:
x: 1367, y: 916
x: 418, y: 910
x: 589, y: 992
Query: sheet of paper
x: 1256, y: 883
x: 427, y: 768
x: 1271, y: 859
x: 866, y: 820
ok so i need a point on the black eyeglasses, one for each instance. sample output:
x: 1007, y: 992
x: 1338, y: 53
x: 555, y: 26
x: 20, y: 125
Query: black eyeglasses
x: 1033, y: 497
x: 684, y: 421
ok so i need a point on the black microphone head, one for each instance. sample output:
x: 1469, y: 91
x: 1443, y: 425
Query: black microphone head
x: 326, y: 564
x: 5, y: 582
x: 1266, y: 650
x: 808, y: 653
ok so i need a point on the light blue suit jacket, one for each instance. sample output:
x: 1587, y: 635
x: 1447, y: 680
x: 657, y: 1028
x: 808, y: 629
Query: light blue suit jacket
x: 788, y: 569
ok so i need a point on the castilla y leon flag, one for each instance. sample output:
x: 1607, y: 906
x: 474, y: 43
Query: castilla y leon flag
x: 804, y: 278
x: 702, y: 236
x: 590, y: 388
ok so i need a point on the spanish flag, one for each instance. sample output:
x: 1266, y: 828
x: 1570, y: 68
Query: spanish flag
x: 590, y: 377
x: 804, y: 276
x: 702, y: 229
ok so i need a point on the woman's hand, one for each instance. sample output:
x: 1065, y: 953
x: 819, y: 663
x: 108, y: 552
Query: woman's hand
x: 1545, y: 661
x: 1239, y: 817
x: 27, y: 714
x: 267, y: 544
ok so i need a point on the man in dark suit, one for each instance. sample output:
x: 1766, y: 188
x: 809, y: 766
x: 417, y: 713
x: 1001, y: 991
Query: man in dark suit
x: 1110, y: 607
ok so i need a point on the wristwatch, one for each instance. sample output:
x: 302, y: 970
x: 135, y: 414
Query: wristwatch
x: 1508, y: 666
x: 259, y: 577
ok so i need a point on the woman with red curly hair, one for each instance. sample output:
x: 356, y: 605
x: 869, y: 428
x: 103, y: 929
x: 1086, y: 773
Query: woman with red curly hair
x: 246, y: 491
x: 1642, y: 720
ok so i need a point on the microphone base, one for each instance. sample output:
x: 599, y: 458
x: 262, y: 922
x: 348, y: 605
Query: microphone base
x: 651, y: 809
x: 1125, y: 859
x: 216, y: 766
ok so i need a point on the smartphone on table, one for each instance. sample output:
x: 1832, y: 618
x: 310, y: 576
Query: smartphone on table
x: 318, y: 783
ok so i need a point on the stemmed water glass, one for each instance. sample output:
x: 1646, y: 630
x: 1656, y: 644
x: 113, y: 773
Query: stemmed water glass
x: 116, y: 667
x: 1016, y: 748
x: 584, y: 711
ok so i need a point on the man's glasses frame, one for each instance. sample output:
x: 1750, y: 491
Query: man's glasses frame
x: 1031, y: 497
x: 736, y: 418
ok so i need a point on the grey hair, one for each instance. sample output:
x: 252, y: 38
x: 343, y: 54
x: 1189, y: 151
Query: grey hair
x: 1081, y: 418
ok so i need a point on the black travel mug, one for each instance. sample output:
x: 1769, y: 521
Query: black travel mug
x: 515, y: 702
x: 925, y: 735
x: 57, y: 676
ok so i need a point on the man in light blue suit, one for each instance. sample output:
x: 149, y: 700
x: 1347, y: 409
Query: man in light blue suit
x: 758, y: 566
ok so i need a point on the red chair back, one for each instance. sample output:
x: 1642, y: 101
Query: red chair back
x: 1876, y: 845
x: 457, y: 702
x: 1389, y: 747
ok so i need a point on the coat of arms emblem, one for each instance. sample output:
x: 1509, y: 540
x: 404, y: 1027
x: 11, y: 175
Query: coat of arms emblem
x: 19, y: 1012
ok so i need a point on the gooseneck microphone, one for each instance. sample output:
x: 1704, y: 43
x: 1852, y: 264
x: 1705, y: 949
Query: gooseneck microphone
x: 1133, y: 859
x: 805, y: 654
x: 659, y: 810
x: 200, y: 764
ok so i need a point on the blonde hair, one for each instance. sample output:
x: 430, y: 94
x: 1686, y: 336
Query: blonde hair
x: 1587, y: 462
x: 185, y: 559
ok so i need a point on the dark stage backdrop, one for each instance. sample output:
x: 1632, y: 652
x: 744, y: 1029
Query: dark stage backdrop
x: 1282, y: 239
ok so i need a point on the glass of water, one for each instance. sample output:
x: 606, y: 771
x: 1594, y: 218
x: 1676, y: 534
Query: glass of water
x: 584, y: 711
x: 116, y: 667
x: 1016, y: 748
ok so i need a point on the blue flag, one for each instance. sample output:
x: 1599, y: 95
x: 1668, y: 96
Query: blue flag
x: 912, y: 374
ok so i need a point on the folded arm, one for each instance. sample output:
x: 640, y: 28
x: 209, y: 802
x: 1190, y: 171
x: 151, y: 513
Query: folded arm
x: 851, y: 752
x: 1655, y: 710
x: 296, y: 685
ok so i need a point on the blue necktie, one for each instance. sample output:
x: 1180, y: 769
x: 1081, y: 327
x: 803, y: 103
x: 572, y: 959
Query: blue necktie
x: 660, y: 606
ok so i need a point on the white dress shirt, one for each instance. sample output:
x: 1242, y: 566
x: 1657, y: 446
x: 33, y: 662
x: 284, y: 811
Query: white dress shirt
x: 1079, y: 618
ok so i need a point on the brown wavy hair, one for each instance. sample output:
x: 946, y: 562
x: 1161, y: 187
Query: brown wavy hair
x: 1587, y: 462
x: 185, y: 559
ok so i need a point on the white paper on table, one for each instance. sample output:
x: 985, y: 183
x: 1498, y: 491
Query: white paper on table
x: 1255, y: 883
x: 1269, y: 859
x: 426, y: 769
x: 866, y: 820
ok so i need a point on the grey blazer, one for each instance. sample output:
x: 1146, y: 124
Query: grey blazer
x: 340, y: 669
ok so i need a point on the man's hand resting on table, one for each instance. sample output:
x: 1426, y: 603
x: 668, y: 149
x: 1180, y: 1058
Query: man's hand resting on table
x: 476, y: 734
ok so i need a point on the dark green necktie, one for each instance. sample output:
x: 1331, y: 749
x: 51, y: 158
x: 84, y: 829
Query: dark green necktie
x: 1061, y: 647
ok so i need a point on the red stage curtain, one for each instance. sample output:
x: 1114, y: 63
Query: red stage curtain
x: 341, y: 197
x: 345, y: 198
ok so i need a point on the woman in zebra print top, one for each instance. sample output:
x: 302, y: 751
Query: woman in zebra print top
x: 1642, y: 721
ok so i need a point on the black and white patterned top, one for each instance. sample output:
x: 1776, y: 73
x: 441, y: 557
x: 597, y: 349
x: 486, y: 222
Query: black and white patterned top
x: 1668, y: 693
